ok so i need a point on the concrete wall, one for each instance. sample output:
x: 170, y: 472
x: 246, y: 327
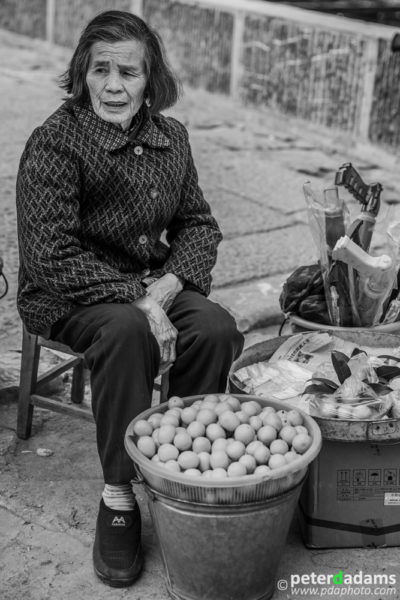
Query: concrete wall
x: 24, y: 16
x: 70, y: 17
x: 336, y: 72
x: 384, y: 118
x: 198, y: 40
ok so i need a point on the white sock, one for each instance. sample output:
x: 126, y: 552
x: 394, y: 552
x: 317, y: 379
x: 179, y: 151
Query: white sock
x: 119, y: 497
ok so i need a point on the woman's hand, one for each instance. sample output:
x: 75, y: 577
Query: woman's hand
x: 165, y: 290
x: 162, y: 329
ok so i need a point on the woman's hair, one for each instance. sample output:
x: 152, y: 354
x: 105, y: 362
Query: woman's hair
x: 162, y: 89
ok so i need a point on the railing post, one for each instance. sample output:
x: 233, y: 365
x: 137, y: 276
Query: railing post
x: 50, y: 17
x: 367, y: 98
x: 137, y: 8
x: 236, y: 56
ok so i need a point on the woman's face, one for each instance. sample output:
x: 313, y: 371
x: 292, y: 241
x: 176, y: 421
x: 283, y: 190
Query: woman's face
x: 116, y: 80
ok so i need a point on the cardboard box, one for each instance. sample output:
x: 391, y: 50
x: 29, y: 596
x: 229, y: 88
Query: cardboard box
x: 351, y: 497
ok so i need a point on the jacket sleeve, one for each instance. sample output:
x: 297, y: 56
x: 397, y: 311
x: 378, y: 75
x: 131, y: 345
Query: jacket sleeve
x: 193, y: 233
x: 48, y: 208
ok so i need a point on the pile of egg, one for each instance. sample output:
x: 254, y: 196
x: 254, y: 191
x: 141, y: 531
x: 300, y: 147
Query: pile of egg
x: 218, y: 436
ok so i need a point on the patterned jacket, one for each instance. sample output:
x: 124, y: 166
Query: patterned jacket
x: 92, y: 203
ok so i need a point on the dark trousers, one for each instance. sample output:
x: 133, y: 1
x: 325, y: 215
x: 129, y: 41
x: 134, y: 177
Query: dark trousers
x: 123, y: 357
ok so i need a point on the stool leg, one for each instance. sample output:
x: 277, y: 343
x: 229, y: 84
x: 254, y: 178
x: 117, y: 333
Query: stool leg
x: 78, y: 383
x: 28, y: 377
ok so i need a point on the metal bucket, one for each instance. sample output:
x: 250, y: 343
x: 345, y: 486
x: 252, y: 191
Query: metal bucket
x: 222, y: 539
x: 222, y: 552
x: 298, y: 325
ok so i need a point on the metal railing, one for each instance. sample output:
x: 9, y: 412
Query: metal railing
x: 333, y: 71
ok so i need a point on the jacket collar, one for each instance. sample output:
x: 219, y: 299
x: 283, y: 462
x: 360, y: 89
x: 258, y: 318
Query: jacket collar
x: 111, y: 137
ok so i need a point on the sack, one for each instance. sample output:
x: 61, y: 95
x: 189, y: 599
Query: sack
x: 303, y: 282
x: 314, y: 308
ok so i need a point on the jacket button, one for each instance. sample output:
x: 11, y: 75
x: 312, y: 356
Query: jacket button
x: 143, y: 239
x: 154, y: 193
x: 138, y: 150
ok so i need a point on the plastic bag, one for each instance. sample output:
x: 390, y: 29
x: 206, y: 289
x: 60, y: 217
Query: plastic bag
x: 281, y: 379
x: 303, y: 282
x: 314, y: 308
x: 353, y: 400
x: 392, y: 308
x: 362, y: 368
x: 372, y: 284
x: 328, y: 219
x: 359, y: 390
x: 354, y: 409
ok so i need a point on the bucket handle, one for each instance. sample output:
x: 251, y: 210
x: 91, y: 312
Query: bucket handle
x: 138, y: 478
x: 384, y: 431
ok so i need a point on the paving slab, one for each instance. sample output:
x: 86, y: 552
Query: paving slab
x: 259, y: 255
x: 255, y: 304
x: 239, y: 216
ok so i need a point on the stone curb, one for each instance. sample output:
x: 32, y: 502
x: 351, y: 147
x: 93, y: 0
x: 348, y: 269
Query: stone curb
x: 254, y: 305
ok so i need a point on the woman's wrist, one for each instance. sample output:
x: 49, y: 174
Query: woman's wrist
x: 145, y: 303
x: 178, y: 281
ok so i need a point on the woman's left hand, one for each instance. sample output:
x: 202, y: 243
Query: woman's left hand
x: 165, y: 290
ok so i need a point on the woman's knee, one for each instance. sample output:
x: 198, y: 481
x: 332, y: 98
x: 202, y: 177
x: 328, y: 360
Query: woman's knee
x: 217, y: 328
x: 123, y: 324
x: 123, y: 335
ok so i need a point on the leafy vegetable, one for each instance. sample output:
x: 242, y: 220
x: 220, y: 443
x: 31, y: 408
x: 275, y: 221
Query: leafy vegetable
x: 388, y: 357
x: 387, y: 372
x: 357, y: 351
x: 327, y: 382
x: 381, y: 389
x: 318, y: 389
x: 339, y: 361
x: 321, y: 385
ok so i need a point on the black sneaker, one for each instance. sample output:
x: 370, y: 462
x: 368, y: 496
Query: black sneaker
x: 117, y: 550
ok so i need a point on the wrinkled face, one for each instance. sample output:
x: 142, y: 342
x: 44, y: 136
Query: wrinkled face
x: 116, y: 80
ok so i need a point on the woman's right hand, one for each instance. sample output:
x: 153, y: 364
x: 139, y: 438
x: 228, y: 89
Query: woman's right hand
x: 162, y: 329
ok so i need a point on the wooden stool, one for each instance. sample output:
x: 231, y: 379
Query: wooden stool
x: 31, y: 384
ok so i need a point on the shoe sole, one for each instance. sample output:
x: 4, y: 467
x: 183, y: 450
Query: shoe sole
x: 120, y: 583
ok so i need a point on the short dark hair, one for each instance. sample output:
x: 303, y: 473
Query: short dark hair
x: 163, y: 87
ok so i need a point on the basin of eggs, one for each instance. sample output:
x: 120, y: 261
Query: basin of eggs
x: 218, y: 436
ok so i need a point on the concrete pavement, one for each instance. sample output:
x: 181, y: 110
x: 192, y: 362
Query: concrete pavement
x: 252, y: 164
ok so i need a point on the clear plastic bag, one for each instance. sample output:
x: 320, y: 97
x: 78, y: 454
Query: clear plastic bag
x: 281, y: 379
x: 354, y: 409
x: 362, y: 368
x: 328, y: 219
x: 360, y: 289
x: 372, y: 282
x: 392, y: 308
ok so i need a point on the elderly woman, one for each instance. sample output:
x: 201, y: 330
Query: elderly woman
x: 99, y: 182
